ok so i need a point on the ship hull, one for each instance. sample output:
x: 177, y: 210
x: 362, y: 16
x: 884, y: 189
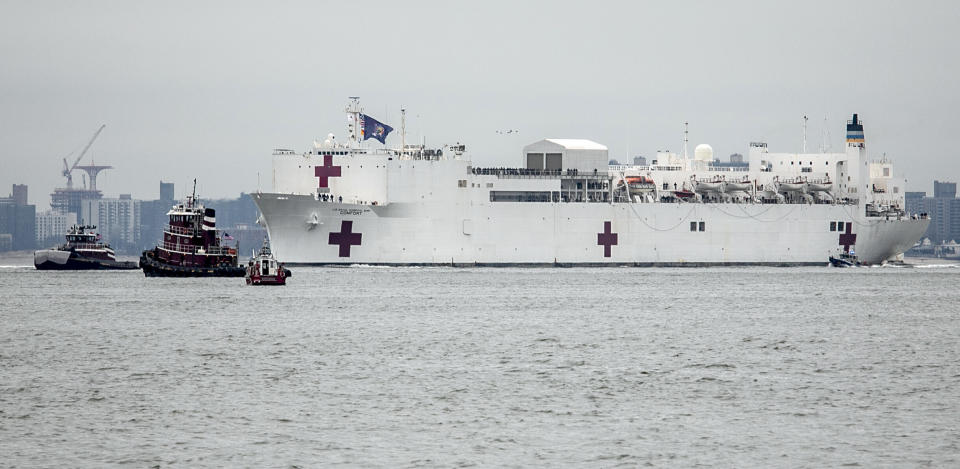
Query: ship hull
x: 52, y: 259
x: 152, y: 267
x: 304, y: 230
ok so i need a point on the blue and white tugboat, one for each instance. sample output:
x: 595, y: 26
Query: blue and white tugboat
x: 82, y: 251
x: 191, y: 246
x: 845, y: 259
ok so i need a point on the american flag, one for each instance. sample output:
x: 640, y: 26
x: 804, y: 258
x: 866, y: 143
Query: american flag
x: 227, y: 236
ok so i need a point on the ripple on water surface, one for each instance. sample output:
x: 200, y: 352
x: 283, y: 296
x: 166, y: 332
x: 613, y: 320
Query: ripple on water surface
x: 498, y: 367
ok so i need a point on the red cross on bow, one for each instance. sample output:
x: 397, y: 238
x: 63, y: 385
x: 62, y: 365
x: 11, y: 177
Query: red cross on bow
x: 345, y: 238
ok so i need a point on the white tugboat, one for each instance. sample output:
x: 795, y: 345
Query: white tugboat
x: 82, y: 251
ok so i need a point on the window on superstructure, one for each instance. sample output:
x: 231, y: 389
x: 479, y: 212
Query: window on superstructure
x: 693, y: 226
x: 833, y: 226
x: 703, y: 226
x: 839, y: 226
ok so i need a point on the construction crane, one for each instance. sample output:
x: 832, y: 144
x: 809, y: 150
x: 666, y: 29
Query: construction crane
x: 68, y: 170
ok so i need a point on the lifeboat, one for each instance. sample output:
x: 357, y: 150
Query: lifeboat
x: 742, y: 186
x: 709, y: 186
x: 791, y: 186
x: 824, y: 186
x: 640, y: 183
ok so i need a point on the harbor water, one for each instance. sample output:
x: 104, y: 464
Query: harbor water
x: 440, y: 367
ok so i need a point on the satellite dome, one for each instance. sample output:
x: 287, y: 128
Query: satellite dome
x: 703, y: 152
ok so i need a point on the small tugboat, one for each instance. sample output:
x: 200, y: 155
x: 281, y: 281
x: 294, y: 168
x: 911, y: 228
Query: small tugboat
x: 191, y: 245
x: 264, y: 269
x: 845, y: 259
x: 82, y: 251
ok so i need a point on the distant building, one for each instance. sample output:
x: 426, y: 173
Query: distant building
x: 913, y: 202
x: 19, y: 194
x: 736, y: 158
x: 238, y: 217
x: 613, y: 162
x: 118, y: 220
x: 68, y: 200
x: 18, y: 220
x: 639, y: 161
x: 166, y: 191
x: 153, y: 216
x: 944, y: 190
x: 52, y: 226
x: 944, y: 211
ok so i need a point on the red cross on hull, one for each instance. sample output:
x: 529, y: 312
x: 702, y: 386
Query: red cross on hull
x: 606, y: 239
x: 345, y: 238
x: 328, y: 170
x: 848, y: 239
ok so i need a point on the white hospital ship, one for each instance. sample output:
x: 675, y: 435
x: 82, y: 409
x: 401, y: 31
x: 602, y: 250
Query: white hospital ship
x: 350, y: 203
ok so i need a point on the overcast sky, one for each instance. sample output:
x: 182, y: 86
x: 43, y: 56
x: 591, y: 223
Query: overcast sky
x: 207, y: 89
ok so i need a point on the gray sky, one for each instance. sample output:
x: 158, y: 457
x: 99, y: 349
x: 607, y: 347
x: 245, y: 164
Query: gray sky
x: 207, y: 90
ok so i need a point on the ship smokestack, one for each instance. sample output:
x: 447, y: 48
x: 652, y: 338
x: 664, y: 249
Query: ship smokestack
x: 854, y: 130
x: 209, y: 219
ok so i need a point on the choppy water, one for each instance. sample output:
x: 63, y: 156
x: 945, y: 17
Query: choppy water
x: 424, y: 367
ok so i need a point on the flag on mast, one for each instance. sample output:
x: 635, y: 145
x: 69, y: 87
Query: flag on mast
x: 372, y: 128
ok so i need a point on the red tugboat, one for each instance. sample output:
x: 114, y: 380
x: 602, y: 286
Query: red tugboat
x: 264, y: 269
x: 191, y: 246
x: 82, y: 251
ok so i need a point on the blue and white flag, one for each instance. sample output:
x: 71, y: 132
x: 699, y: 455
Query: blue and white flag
x: 372, y: 128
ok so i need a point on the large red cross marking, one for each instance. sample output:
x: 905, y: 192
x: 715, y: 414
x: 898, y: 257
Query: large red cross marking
x: 848, y: 239
x: 328, y: 170
x: 606, y: 239
x: 345, y: 238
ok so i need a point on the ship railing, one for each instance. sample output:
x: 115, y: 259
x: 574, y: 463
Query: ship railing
x: 85, y: 246
x: 193, y: 249
x: 734, y: 169
x: 179, y: 230
x: 524, y: 173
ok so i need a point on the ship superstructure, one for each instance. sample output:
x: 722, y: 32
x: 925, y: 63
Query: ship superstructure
x: 346, y: 203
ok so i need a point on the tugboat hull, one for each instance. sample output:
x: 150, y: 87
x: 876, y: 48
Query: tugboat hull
x: 844, y: 262
x: 268, y: 280
x: 52, y: 259
x: 154, y: 268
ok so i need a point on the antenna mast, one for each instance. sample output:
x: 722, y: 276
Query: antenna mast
x: 804, y: 147
x: 825, y: 136
x: 353, y: 120
x: 686, y: 131
x: 193, y: 197
x: 403, y: 131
